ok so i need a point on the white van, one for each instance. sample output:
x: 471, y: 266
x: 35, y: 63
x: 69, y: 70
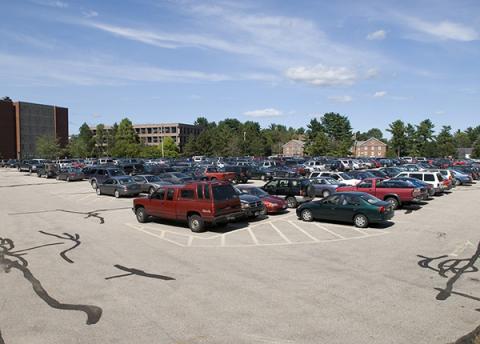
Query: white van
x: 433, y: 178
x: 340, y: 176
x: 315, y: 165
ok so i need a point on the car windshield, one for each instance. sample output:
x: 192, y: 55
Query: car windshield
x: 223, y: 192
x: 152, y: 179
x: 370, y: 199
x: 332, y: 181
x: 256, y: 192
x: 124, y: 181
x: 345, y: 176
x: 116, y: 173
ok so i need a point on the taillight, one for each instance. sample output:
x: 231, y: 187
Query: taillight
x: 381, y: 209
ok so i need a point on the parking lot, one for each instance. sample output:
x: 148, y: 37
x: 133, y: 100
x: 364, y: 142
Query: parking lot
x: 79, y: 268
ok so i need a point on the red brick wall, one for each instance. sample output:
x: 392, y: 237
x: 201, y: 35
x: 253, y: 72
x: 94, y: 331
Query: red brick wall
x: 7, y: 131
x: 61, y: 125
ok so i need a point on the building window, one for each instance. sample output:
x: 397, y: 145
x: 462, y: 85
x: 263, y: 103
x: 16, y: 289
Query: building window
x: 174, y: 130
x: 149, y: 130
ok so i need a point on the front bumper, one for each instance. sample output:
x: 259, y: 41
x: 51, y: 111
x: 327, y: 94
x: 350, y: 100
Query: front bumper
x: 254, y: 211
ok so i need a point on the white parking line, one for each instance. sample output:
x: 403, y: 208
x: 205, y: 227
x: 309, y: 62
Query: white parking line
x: 304, y: 231
x: 329, y: 231
x: 162, y: 236
x: 287, y: 240
x: 254, y: 238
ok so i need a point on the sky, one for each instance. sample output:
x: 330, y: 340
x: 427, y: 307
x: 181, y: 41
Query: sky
x: 280, y: 62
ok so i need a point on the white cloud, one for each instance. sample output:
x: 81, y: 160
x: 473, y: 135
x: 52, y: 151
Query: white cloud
x: 51, y: 3
x: 90, y: 14
x: 377, y: 35
x: 269, y: 112
x: 341, y: 99
x: 372, y: 73
x: 440, y: 112
x: 94, y: 71
x: 380, y: 94
x: 444, y: 30
x: 322, y: 75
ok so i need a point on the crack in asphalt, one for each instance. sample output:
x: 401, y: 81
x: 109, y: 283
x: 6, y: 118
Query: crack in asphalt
x: 10, y: 260
x: 93, y: 213
x: 75, y: 238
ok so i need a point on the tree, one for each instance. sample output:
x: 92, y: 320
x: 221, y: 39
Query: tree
x: 425, y: 136
x: 399, y: 139
x: 338, y: 130
x: 317, y: 145
x: 476, y: 149
x: 127, y: 143
x: 170, y: 148
x: 100, y: 140
x: 461, y: 139
x: 411, y: 146
x: 82, y: 145
x: 48, y: 147
x: 445, y: 144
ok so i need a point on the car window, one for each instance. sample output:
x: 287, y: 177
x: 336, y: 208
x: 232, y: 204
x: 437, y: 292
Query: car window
x: 124, y: 181
x: 272, y: 184
x: 295, y: 183
x: 170, y: 193
x: 109, y: 182
x: 440, y: 177
x: 223, y: 192
x: 351, y: 200
x: 138, y: 179
x: 199, y: 191
x: 160, y: 194
x: 187, y: 194
x: 429, y: 178
x: 114, y: 173
x: 206, y: 191
x: 101, y: 172
x: 416, y: 176
x: 365, y: 184
x: 333, y: 200
x: 283, y: 183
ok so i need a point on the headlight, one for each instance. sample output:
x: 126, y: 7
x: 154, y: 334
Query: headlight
x: 245, y: 205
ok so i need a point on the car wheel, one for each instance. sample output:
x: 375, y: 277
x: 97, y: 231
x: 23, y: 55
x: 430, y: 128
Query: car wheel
x: 116, y: 194
x: 196, y: 224
x: 325, y: 193
x: 94, y: 184
x: 151, y: 191
x: 98, y: 191
x: 58, y: 178
x: 141, y: 215
x: 68, y: 179
x: 306, y: 215
x: 291, y: 202
x: 360, y: 221
x: 457, y: 182
x: 393, y: 201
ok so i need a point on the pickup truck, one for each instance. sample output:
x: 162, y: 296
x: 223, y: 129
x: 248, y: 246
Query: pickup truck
x: 214, y: 174
x: 395, y: 192
x: 197, y: 203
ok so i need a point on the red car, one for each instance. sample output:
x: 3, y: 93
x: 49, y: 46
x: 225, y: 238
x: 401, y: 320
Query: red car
x: 273, y: 204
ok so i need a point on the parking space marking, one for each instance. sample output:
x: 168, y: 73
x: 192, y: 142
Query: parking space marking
x: 280, y: 233
x: 254, y: 238
x: 304, y: 231
x: 329, y: 231
x: 161, y: 236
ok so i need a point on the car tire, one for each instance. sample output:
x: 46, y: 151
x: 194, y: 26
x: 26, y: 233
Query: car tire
x: 94, y: 184
x: 57, y: 177
x: 196, y: 224
x: 311, y: 191
x: 306, y: 215
x: 393, y: 201
x: 116, y: 194
x: 151, y: 191
x: 360, y: 221
x: 325, y: 193
x: 291, y: 202
x: 141, y: 215
x: 98, y: 191
x: 68, y: 179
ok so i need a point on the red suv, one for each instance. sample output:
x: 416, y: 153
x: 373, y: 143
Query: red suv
x: 197, y: 203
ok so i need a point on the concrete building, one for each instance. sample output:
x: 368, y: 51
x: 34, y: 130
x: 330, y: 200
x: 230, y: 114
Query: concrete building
x: 372, y: 148
x: 293, y: 148
x: 153, y: 134
x: 22, y: 123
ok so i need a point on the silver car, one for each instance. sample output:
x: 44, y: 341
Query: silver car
x: 149, y: 183
x: 119, y: 186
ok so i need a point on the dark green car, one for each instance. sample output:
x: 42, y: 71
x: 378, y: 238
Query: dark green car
x: 357, y: 207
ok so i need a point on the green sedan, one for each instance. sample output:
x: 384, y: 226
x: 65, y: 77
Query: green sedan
x: 357, y: 207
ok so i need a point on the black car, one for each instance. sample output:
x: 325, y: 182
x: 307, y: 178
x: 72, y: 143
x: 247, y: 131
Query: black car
x: 294, y: 190
x: 242, y: 173
x: 101, y: 174
x: 70, y: 174
x: 252, y: 206
x: 48, y: 170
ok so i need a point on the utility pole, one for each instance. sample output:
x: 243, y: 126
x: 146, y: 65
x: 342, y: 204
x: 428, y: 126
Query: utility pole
x: 244, y: 143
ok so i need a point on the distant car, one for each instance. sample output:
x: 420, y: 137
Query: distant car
x: 462, y: 179
x: 360, y: 208
x: 273, y: 204
x: 378, y: 173
x: 343, y: 177
x: 48, y: 170
x: 426, y: 190
x: 325, y: 186
x: 391, y: 171
x: 176, y: 177
x: 100, y: 174
x: 252, y: 206
x: 119, y: 186
x: 70, y: 174
x: 149, y: 183
x: 294, y: 190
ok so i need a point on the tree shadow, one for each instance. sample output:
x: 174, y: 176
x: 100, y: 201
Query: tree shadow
x: 136, y: 272
x: 75, y: 238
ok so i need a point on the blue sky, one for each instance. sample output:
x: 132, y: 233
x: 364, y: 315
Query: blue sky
x: 269, y: 61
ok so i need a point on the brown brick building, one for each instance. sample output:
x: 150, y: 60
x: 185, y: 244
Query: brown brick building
x: 21, y: 124
x: 372, y: 148
x: 293, y: 148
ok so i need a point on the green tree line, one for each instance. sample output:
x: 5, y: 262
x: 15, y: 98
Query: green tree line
x: 328, y: 135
